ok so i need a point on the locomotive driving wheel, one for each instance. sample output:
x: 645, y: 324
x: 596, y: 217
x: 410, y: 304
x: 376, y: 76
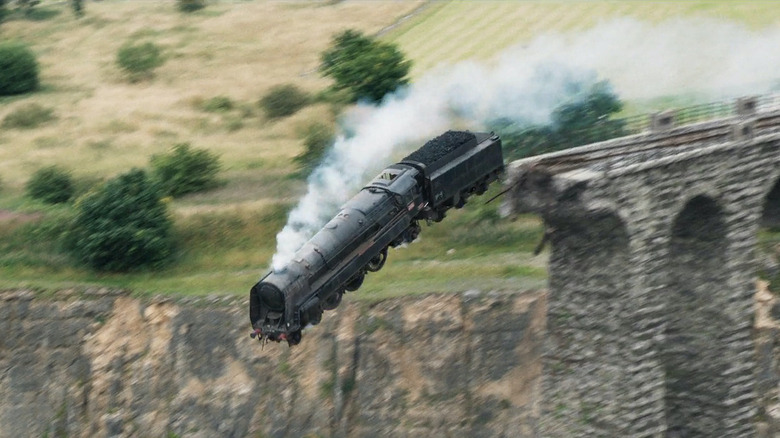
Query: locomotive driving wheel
x: 355, y: 282
x: 377, y: 262
x: 332, y: 301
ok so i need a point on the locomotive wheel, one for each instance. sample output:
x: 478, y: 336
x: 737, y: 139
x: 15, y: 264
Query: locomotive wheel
x: 355, y: 282
x: 377, y: 262
x: 294, y: 338
x: 314, y: 316
x: 481, y: 188
x: 332, y: 301
x: 412, y: 232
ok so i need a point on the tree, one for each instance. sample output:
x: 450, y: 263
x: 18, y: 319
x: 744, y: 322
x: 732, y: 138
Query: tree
x: 366, y: 68
x: 582, y: 121
x: 122, y: 226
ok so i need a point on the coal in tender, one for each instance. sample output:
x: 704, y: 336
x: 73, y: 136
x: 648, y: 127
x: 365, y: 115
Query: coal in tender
x: 440, y: 146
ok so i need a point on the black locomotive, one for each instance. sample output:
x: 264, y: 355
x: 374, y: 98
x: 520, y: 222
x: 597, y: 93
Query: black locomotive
x: 440, y: 175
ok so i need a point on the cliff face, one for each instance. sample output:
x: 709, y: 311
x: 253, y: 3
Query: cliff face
x: 102, y: 363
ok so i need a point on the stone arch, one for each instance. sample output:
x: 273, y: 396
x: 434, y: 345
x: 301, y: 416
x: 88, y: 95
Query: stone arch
x: 696, y: 325
x: 771, y: 215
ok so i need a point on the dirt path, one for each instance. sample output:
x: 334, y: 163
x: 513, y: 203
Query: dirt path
x: 13, y: 216
x: 399, y: 21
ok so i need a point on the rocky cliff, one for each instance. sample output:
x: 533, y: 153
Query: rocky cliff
x: 104, y: 363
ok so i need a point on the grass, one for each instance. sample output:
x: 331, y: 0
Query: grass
x: 219, y: 62
x: 447, y: 32
x: 225, y: 251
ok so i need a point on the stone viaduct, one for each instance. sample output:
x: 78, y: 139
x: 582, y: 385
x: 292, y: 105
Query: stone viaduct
x: 652, y: 274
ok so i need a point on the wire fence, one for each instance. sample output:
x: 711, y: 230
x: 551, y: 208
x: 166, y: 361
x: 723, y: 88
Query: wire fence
x: 613, y: 128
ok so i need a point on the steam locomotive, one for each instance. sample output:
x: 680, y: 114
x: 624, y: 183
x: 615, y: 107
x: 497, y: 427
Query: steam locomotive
x: 442, y: 174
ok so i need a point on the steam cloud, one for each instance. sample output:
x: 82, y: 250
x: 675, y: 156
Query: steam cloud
x: 525, y: 84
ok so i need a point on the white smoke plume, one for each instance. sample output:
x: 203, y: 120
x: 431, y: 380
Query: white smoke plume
x: 525, y: 84
x: 706, y: 56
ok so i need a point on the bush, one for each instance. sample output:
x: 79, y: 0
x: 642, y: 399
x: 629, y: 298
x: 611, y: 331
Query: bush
x: 78, y: 7
x: 18, y: 69
x: 27, y: 6
x: 283, y: 101
x: 190, y: 5
x: 51, y: 184
x: 139, y: 60
x: 367, y: 68
x: 3, y: 10
x: 218, y: 104
x: 317, y: 138
x: 28, y: 116
x: 122, y: 226
x: 185, y: 170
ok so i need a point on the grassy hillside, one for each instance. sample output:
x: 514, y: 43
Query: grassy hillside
x: 237, y: 50
x: 104, y: 124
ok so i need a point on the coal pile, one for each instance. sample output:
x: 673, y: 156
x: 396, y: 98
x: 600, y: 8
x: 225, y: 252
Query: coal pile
x: 440, y: 146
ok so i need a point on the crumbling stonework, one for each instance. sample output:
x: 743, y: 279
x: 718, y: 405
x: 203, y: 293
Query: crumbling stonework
x: 102, y: 363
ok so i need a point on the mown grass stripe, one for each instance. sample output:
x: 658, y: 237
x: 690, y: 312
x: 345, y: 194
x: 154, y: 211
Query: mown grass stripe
x: 455, y: 31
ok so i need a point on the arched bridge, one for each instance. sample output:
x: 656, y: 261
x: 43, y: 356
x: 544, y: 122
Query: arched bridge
x: 652, y: 274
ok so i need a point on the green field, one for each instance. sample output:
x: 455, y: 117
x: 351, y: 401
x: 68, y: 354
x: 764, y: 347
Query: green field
x: 105, y: 125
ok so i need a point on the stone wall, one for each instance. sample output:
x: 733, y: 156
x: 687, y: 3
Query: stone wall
x: 104, y: 363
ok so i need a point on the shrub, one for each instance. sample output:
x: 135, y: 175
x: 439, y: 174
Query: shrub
x: 185, y: 170
x: 27, y: 6
x: 190, y: 5
x: 18, y: 69
x: 317, y: 137
x: 218, y: 104
x: 51, y: 184
x: 283, y: 101
x: 3, y: 10
x: 122, y: 226
x: 139, y: 60
x: 78, y: 7
x: 28, y: 116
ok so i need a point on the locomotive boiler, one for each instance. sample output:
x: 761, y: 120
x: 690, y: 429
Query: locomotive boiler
x: 442, y: 174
